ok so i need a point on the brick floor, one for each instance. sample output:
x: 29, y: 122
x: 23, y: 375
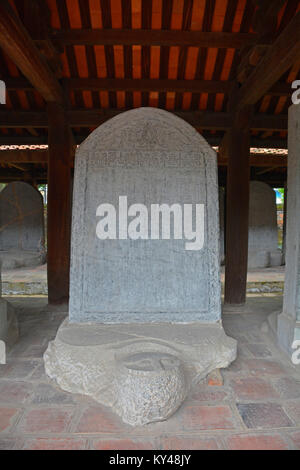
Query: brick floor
x: 209, y: 394
x: 7, y: 418
x: 15, y: 392
x: 55, y: 444
x: 256, y: 442
x: 17, y: 369
x: 123, y: 444
x: 197, y: 417
x: 187, y: 443
x: 259, y: 350
x: 296, y: 439
x: 253, y: 388
x: 292, y: 409
x: 264, y: 367
x: 49, y: 420
x: 288, y: 387
x: 48, y: 394
x: 263, y: 415
x: 9, y: 444
x: 256, y: 407
x: 97, y: 419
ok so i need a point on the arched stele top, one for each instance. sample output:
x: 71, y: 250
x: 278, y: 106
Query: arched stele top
x: 263, y: 209
x: 21, y: 217
x: 263, y: 230
x: 152, y: 157
x: 145, y: 128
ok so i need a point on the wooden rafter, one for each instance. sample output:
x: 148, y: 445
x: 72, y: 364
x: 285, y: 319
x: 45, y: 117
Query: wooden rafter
x: 18, y: 45
x: 279, y: 58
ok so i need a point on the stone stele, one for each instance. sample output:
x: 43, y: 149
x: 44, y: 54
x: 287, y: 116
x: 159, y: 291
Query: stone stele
x: 288, y: 329
x: 21, y: 226
x: 145, y: 315
x: 263, y: 231
x: 9, y: 331
x: 263, y: 249
x: 222, y: 203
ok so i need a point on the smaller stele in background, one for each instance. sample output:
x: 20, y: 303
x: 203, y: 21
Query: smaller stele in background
x: 9, y: 331
x: 2, y: 353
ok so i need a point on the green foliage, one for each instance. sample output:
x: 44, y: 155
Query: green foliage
x: 281, y: 191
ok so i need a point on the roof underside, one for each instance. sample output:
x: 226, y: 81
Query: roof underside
x: 127, y: 69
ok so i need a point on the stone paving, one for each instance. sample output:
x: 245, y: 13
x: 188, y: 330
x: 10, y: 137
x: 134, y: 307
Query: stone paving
x: 25, y: 281
x: 257, y: 407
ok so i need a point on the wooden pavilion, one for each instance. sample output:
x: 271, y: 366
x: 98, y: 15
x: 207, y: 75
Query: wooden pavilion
x: 224, y: 66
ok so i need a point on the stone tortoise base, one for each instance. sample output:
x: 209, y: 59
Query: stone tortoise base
x: 142, y: 371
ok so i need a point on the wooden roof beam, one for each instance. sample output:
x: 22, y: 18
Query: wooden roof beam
x: 264, y: 23
x: 160, y: 85
x: 260, y: 161
x: 129, y: 37
x: 266, y: 17
x: 167, y: 85
x: 279, y: 58
x: 18, y: 45
x: 93, y: 118
x: 23, y: 156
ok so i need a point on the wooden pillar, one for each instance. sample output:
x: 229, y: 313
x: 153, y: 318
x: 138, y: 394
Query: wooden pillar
x: 59, y: 204
x: 237, y: 148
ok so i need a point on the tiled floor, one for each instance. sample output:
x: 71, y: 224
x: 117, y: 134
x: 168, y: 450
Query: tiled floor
x: 258, y: 407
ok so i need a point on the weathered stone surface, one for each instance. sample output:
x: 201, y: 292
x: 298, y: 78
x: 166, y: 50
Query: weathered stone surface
x: 2, y: 352
x: 149, y: 387
x: 143, y: 371
x: 9, y: 331
x: 263, y: 230
x: 153, y: 157
x: 21, y: 226
x: 263, y: 249
x: 289, y: 321
x: 222, y: 203
x: 144, y: 314
x: 8, y: 324
x: 14, y: 259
